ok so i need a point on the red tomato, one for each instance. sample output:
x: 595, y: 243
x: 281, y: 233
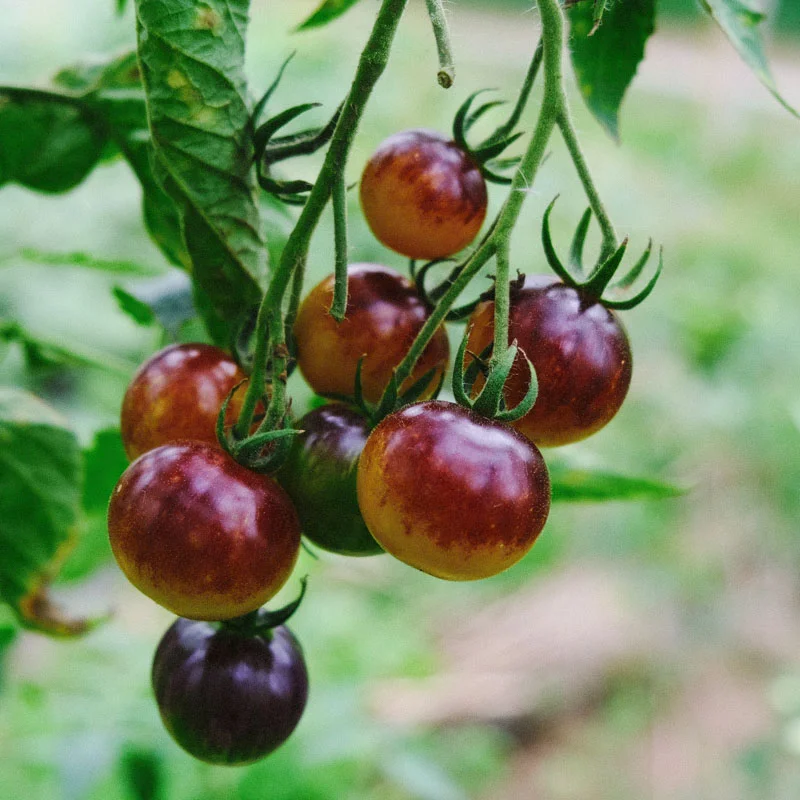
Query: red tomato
x: 200, y: 534
x: 383, y: 316
x: 580, y: 351
x: 452, y: 493
x: 422, y: 195
x: 177, y: 394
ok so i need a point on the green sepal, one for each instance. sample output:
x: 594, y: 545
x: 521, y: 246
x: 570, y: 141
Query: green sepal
x: 578, y: 242
x: 261, y: 621
x: 527, y: 402
x: 624, y: 305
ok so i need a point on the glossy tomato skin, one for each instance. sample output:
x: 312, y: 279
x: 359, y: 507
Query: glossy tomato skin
x: 422, y: 195
x: 452, y: 493
x: 177, y: 394
x: 383, y: 316
x: 320, y: 477
x: 580, y: 351
x: 200, y: 534
x: 226, y: 697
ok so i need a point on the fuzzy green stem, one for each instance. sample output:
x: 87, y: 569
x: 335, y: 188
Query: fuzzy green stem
x: 502, y: 301
x: 270, y: 336
x: 507, y: 128
x: 441, y: 31
x: 339, y: 304
x: 570, y: 137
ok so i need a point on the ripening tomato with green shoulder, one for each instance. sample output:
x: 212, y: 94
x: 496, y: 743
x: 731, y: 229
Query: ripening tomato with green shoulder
x: 580, y: 351
x: 200, y: 534
x: 450, y: 492
x: 383, y: 316
x: 320, y: 476
x: 177, y: 394
x: 422, y: 195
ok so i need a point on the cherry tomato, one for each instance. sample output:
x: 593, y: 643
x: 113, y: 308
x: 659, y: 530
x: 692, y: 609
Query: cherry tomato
x: 452, y: 493
x: 320, y: 477
x: 580, y: 351
x: 422, y: 195
x: 200, y: 534
x: 383, y: 316
x: 177, y: 394
x: 227, y: 697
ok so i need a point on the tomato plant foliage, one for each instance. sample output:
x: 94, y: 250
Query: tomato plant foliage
x: 474, y: 492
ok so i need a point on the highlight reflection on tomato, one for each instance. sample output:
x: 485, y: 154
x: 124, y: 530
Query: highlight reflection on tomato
x: 452, y: 493
x: 200, y: 534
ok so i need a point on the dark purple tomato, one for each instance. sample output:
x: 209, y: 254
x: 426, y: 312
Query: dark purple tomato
x: 228, y: 697
x: 580, y: 351
x: 422, y: 195
x: 320, y: 477
x: 383, y: 316
x: 450, y: 492
x: 200, y: 534
x: 176, y: 394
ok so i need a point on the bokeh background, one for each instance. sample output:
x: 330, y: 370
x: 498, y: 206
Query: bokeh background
x: 641, y: 650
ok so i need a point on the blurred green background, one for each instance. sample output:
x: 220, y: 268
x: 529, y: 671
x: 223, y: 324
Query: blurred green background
x: 641, y: 650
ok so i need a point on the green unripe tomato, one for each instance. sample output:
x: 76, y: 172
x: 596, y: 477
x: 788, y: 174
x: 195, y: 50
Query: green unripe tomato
x: 320, y: 477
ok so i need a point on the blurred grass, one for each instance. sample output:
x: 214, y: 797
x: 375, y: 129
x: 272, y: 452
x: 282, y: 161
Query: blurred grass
x: 715, y: 403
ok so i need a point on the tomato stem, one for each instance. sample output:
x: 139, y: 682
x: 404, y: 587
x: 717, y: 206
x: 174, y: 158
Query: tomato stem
x: 339, y: 304
x: 507, y: 128
x: 499, y: 234
x: 270, y: 325
x: 441, y: 31
x: 568, y: 133
x: 502, y: 301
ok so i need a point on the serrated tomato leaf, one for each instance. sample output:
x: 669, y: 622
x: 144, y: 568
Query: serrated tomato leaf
x: 740, y: 22
x: 327, y: 11
x: 578, y: 484
x: 605, y: 58
x: 41, y: 473
x: 192, y: 60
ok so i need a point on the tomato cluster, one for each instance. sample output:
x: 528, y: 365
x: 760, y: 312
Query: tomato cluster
x: 450, y: 492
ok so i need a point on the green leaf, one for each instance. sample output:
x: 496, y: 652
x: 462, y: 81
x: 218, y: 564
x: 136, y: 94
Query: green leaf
x: 42, y: 354
x: 166, y: 300
x: 606, y: 61
x: 139, y: 312
x: 118, y: 266
x: 104, y: 463
x: 740, y: 20
x: 51, y: 140
x: 327, y: 11
x: 48, y: 142
x: 40, y: 499
x: 192, y: 58
x: 571, y: 484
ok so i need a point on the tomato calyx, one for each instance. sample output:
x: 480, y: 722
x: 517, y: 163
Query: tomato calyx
x: 487, y: 153
x: 490, y: 401
x: 595, y: 283
x: 261, y: 621
x: 392, y: 398
x: 262, y: 451
x: 270, y: 149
